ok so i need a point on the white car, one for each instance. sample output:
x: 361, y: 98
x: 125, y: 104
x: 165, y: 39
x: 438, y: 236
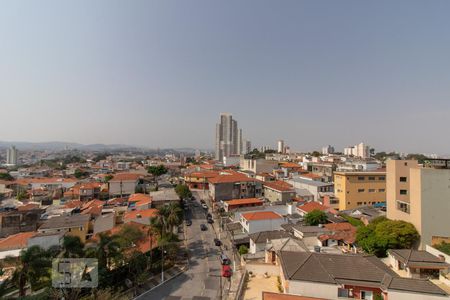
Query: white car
x: 204, y: 206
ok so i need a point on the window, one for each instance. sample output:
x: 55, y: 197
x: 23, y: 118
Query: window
x: 357, y: 203
x: 371, y: 177
x: 382, y: 178
x: 343, y: 293
x: 403, y: 192
x: 381, y: 190
x: 403, y: 206
x: 403, y: 179
x: 360, y: 190
x: 361, y: 178
x: 371, y: 190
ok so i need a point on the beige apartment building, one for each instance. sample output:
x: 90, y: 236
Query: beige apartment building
x: 354, y: 188
x: 421, y: 196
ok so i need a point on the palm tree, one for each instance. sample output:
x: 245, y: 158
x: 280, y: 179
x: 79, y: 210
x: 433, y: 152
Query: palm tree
x: 73, y: 247
x: 174, y: 216
x: 34, y: 264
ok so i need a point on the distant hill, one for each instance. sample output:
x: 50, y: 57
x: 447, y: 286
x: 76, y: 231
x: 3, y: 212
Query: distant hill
x: 57, y: 146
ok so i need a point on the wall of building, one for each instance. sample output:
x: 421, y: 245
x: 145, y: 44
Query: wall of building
x: 128, y: 188
x: 434, y: 200
x: 353, y: 192
x: 276, y: 196
x: 262, y: 225
x: 398, y: 295
x: 312, y: 289
x: 104, y: 223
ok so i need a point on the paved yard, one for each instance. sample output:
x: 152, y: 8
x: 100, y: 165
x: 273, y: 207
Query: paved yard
x: 256, y: 285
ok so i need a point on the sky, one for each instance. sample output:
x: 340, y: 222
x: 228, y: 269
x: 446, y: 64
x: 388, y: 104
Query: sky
x: 159, y: 73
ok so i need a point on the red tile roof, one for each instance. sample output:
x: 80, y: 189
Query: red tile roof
x: 28, y: 206
x: 126, y: 177
x: 310, y: 206
x: 310, y: 176
x: 230, y: 177
x: 244, y: 201
x: 140, y: 214
x: 289, y: 165
x: 261, y: 215
x: 279, y: 185
x: 16, y: 241
x: 140, y: 198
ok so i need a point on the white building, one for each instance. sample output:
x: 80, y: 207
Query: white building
x: 327, y: 150
x: 11, y: 156
x: 360, y: 150
x: 281, y: 146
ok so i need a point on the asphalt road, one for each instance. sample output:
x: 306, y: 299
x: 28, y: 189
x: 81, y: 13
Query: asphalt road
x: 203, y: 279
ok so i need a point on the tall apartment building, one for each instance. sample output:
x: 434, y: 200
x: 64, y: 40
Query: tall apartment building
x: 11, y: 156
x: 281, y: 146
x: 421, y: 196
x: 229, y: 139
x: 355, y: 189
x: 360, y: 150
x: 327, y: 150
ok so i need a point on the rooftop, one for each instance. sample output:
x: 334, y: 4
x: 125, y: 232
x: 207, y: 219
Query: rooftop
x: 279, y: 185
x: 244, y: 201
x: 418, y: 258
x: 261, y: 215
x: 66, y: 221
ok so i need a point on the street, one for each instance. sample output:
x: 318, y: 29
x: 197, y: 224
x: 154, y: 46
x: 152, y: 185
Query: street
x: 203, y: 278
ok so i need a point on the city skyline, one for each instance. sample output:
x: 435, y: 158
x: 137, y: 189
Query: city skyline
x: 310, y: 73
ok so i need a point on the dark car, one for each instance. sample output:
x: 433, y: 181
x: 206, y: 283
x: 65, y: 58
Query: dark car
x: 224, y: 260
x: 202, y: 201
x: 209, y: 216
x: 210, y: 221
x: 217, y: 242
x: 188, y: 222
x: 203, y: 227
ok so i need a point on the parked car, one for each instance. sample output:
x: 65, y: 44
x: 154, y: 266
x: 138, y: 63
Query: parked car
x: 209, y: 216
x: 210, y: 221
x: 224, y: 260
x: 226, y: 271
x: 202, y: 201
x: 188, y: 222
x: 217, y: 242
x: 203, y: 227
x: 204, y: 206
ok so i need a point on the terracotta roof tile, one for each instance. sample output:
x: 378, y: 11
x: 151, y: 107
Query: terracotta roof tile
x: 16, y: 241
x: 261, y: 215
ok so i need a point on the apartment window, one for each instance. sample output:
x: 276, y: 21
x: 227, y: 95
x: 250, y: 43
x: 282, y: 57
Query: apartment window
x: 360, y: 190
x: 371, y: 177
x: 403, y: 192
x: 343, y: 293
x: 361, y: 177
x: 403, y: 179
x: 403, y: 206
x: 382, y: 178
x: 381, y: 190
x: 371, y: 190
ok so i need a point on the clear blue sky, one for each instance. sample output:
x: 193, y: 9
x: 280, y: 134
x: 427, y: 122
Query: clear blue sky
x: 158, y: 73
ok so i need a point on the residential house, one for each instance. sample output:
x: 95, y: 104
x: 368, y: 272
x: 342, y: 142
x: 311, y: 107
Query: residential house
x: 278, y: 191
x: 140, y: 216
x: 234, y: 204
x: 337, y: 276
x: 199, y: 179
x: 313, y: 186
x: 13, y: 244
x: 46, y: 240
x: 233, y: 185
x: 355, y: 189
x: 417, y: 263
x: 13, y: 222
x: 259, y: 240
x: 261, y: 221
x: 140, y: 201
x: 123, y: 184
x: 74, y: 225
x: 164, y: 197
x: 257, y: 165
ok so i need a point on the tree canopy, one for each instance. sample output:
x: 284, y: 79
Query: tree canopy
x: 444, y: 247
x: 315, y: 218
x: 383, y: 234
x: 183, y: 191
x: 6, y: 176
x: 157, y: 170
x: 79, y: 173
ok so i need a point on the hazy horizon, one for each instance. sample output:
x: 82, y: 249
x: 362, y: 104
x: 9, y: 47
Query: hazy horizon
x: 159, y: 73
